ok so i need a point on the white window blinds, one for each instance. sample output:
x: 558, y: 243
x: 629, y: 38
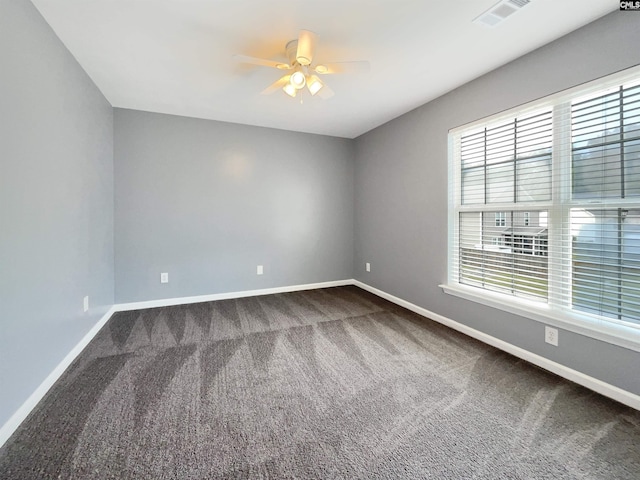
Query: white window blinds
x: 546, y: 203
x: 605, y: 250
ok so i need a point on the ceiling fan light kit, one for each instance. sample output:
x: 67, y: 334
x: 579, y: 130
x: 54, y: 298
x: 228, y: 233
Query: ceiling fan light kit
x: 298, y: 79
x: 290, y: 90
x: 300, y: 68
x: 314, y: 84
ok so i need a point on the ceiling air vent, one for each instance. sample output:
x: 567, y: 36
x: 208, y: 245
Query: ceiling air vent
x: 500, y: 11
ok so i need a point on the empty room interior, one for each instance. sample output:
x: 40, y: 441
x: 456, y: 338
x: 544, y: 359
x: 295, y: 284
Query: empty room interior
x: 286, y: 239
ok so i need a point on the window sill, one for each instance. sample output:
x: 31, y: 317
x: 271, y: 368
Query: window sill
x: 610, y: 332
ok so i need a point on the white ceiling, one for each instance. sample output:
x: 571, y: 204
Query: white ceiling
x: 175, y: 56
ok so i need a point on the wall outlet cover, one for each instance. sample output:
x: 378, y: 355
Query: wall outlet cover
x: 164, y: 277
x: 551, y: 335
x: 260, y: 270
x: 85, y: 303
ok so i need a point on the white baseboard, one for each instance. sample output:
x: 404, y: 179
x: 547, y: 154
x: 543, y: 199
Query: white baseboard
x: 168, y: 302
x: 25, y: 409
x: 630, y: 399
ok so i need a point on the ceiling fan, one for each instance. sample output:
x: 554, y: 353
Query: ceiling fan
x: 301, y: 70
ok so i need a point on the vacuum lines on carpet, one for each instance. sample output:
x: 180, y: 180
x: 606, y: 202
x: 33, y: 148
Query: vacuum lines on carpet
x: 321, y: 384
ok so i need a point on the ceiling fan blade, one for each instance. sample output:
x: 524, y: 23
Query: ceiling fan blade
x: 306, y: 47
x: 261, y: 61
x: 360, y: 66
x: 275, y: 86
x: 325, y: 92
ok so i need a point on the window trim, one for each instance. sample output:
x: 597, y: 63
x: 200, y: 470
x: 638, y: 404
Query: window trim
x: 610, y: 330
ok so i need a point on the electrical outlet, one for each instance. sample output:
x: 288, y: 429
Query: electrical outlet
x: 259, y: 270
x: 367, y: 266
x: 164, y: 277
x: 551, y: 335
x: 86, y: 303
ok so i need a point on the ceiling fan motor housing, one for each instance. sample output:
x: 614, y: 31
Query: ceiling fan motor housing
x: 291, y: 50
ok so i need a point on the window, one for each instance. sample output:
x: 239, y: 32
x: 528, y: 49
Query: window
x: 508, y: 163
x: 546, y: 204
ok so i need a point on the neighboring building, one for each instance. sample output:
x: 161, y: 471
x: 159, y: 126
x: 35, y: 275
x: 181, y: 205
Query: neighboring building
x: 515, y: 232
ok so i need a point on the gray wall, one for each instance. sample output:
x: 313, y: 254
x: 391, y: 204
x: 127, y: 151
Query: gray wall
x: 56, y: 202
x: 401, y: 191
x: 208, y: 201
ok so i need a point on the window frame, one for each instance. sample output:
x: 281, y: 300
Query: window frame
x: 559, y: 207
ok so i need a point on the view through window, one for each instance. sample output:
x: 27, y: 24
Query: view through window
x: 547, y: 204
